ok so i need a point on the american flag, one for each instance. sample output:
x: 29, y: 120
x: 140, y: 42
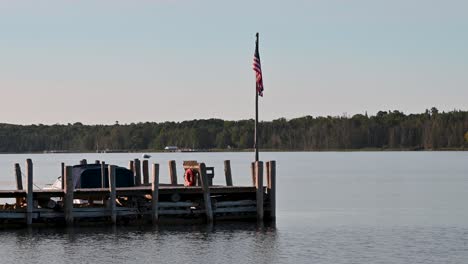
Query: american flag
x: 258, y: 69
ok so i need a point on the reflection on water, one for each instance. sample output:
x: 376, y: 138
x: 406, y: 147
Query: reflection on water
x: 220, y: 243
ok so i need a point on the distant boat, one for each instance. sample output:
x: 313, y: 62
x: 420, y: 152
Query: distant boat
x: 146, y: 156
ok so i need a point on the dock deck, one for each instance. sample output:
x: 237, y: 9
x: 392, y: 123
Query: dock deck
x: 145, y: 203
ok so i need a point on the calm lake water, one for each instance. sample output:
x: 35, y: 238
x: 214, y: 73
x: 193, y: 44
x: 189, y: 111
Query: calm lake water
x: 332, y: 207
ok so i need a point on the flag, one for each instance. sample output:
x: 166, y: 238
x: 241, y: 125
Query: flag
x: 258, y: 70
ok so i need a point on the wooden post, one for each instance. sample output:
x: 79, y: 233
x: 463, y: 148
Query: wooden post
x: 173, y: 172
x: 112, y: 196
x: 131, y: 166
x: 155, y: 195
x: 69, y: 188
x: 103, y: 174
x: 29, y: 191
x: 206, y: 193
x: 137, y: 172
x: 97, y: 162
x: 83, y: 162
x: 19, y: 183
x: 272, y: 189
x: 259, y: 186
x: 252, y: 170
x: 227, y: 172
x: 103, y: 179
x: 145, y: 172
x: 267, y: 170
x: 62, y: 169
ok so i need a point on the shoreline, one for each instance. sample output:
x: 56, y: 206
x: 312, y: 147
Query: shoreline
x: 249, y: 150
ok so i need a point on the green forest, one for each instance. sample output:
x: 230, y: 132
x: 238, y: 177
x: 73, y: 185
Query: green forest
x: 392, y: 130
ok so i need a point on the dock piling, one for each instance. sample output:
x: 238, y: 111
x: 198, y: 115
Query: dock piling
x: 137, y: 172
x: 29, y: 191
x: 271, y: 187
x: 19, y: 182
x: 227, y: 172
x: 155, y: 194
x: 206, y: 193
x: 173, y: 172
x: 260, y: 191
x: 68, y: 201
x: 62, y: 174
x: 130, y: 166
x: 252, y: 171
x: 83, y: 162
x: 112, y: 196
x: 145, y: 172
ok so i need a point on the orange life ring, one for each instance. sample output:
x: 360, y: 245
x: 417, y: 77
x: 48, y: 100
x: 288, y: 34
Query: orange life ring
x: 189, y: 177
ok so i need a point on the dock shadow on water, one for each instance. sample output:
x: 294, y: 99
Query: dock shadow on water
x: 218, y: 243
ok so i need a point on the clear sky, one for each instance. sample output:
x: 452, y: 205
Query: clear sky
x: 99, y: 61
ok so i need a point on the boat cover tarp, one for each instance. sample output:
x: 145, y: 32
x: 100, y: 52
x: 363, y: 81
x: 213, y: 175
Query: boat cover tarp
x: 89, y: 176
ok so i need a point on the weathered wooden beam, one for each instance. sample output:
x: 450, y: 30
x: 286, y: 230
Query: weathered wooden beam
x: 29, y: 191
x: 131, y: 166
x: 241, y: 209
x: 252, y: 170
x: 103, y: 179
x: 103, y: 174
x: 235, y: 203
x: 272, y: 189
x: 145, y: 170
x: 137, y: 171
x: 259, y: 186
x: 62, y: 174
x: 155, y: 194
x: 227, y: 172
x: 173, y: 172
x: 19, y: 182
x: 206, y: 193
x: 68, y: 199
x: 267, y: 172
x: 112, y: 196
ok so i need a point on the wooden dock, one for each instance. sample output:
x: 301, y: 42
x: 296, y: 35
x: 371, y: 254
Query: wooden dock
x: 146, y: 202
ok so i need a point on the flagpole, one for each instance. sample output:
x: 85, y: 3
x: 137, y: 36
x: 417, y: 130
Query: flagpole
x: 256, y: 114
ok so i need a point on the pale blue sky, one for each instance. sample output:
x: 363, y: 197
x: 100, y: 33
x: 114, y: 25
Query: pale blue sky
x: 98, y: 61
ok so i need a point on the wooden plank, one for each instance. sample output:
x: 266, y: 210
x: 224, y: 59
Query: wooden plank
x: 112, y: 196
x: 29, y: 191
x: 175, y: 212
x: 206, y: 193
x: 68, y: 199
x: 145, y: 171
x: 19, y: 183
x: 155, y: 194
x: 235, y: 203
x: 176, y: 204
x: 173, y: 172
x: 235, y: 209
x: 272, y: 189
x: 137, y: 171
x: 260, y: 189
x: 227, y: 172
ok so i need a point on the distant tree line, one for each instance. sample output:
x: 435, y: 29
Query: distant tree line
x: 430, y: 130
